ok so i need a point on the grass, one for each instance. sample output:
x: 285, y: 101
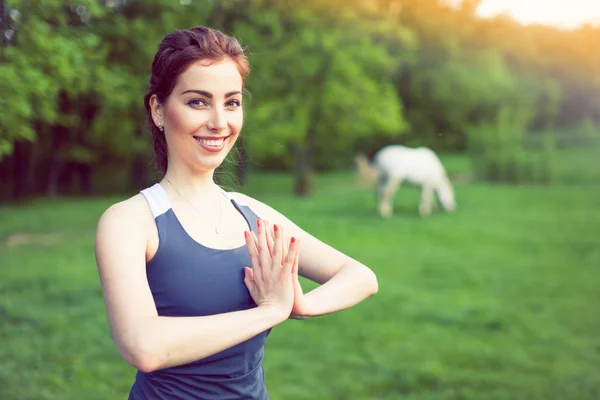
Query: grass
x: 496, y: 301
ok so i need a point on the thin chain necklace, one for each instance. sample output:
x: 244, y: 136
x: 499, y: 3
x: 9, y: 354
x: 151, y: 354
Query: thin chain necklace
x: 199, y: 213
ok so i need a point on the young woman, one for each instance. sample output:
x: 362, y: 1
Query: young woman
x: 193, y: 277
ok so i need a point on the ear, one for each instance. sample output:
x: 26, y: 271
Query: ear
x: 157, y: 110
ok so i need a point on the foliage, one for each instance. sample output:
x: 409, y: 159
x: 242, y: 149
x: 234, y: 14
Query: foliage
x: 329, y: 78
x: 317, y: 82
x: 499, y: 152
x: 53, y: 63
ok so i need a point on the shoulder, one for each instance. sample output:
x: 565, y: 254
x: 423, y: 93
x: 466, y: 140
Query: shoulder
x: 127, y: 211
x: 126, y: 217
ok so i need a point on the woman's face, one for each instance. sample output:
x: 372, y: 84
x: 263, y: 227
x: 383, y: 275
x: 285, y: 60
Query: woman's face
x: 203, y: 115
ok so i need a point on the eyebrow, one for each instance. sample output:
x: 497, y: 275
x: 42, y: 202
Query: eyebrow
x: 209, y: 95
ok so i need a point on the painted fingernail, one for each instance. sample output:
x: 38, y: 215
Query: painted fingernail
x: 245, y: 233
x: 275, y: 228
x: 293, y: 239
x: 258, y: 223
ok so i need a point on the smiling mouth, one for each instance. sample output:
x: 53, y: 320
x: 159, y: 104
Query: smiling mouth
x: 211, y: 141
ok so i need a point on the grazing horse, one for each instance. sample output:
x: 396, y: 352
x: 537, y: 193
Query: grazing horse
x: 395, y: 164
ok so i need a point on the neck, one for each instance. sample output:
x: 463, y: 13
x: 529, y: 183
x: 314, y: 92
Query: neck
x: 198, y: 189
x: 190, y: 184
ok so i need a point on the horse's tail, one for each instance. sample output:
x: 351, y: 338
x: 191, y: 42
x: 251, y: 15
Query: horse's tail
x: 367, y: 172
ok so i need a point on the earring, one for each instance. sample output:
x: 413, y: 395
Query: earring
x: 160, y: 127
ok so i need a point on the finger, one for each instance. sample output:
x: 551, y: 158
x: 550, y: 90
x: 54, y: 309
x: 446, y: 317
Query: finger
x: 259, y: 271
x: 270, y: 228
x: 281, y: 244
x: 291, y: 255
x: 251, y: 243
x: 296, y: 258
x: 277, y: 259
x: 263, y: 251
x: 296, y: 262
x: 249, y: 278
x: 248, y: 274
x: 253, y: 252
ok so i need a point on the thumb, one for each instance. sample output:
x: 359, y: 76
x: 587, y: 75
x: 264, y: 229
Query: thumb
x: 295, y: 265
x: 248, y: 277
x: 288, y: 263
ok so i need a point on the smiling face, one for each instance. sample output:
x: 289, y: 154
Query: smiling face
x: 203, y: 115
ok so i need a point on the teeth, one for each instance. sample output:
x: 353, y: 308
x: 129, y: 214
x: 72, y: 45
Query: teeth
x: 212, y: 143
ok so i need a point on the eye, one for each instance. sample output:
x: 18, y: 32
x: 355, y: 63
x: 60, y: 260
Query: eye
x: 197, y: 103
x: 233, y: 103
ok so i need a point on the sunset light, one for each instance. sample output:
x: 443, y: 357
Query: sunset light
x: 560, y: 13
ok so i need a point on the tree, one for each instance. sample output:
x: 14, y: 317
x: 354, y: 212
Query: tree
x: 51, y: 66
x: 329, y: 81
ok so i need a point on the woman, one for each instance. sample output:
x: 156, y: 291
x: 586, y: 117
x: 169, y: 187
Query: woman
x: 194, y: 277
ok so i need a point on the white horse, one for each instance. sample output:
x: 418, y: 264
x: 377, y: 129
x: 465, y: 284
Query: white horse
x: 395, y: 164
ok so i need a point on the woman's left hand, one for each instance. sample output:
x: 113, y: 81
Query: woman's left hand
x: 300, y: 308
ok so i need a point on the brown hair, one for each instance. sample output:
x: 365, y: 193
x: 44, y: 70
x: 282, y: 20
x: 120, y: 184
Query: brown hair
x: 175, y: 53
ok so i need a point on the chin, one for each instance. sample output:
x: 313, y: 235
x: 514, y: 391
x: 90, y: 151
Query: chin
x: 210, y: 163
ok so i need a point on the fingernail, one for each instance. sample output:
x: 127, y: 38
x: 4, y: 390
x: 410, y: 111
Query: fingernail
x: 293, y: 239
x: 275, y: 228
x: 245, y: 233
x: 258, y: 223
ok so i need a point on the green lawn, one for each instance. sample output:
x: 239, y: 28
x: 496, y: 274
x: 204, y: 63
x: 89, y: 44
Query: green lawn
x: 496, y: 301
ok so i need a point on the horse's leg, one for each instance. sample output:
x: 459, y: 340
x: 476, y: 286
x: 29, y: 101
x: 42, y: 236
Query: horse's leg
x: 426, y: 199
x: 386, y: 196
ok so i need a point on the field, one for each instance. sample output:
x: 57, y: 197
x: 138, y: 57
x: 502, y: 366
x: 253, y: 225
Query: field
x: 496, y: 301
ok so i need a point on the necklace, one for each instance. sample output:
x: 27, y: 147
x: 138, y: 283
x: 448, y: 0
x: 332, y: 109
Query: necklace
x: 199, y: 213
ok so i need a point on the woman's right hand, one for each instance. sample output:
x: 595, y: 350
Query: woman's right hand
x: 269, y: 281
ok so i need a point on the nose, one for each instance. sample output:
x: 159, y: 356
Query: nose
x: 217, y: 121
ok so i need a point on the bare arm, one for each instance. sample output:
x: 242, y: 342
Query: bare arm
x: 144, y: 339
x: 344, y: 281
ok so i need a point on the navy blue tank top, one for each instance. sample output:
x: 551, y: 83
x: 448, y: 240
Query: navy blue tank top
x: 189, y: 279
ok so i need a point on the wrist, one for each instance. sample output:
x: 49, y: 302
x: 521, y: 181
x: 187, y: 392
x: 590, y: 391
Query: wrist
x: 274, y: 315
x: 305, y: 310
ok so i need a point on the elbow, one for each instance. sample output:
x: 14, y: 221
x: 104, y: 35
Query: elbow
x: 371, y: 282
x: 144, y: 364
x: 364, y: 279
x: 141, y: 357
x: 374, y: 285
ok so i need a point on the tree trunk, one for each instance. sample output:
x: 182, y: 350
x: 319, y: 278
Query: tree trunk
x: 302, y: 171
x: 6, y: 176
x: 85, y: 174
x: 304, y: 156
x: 22, y: 167
x: 53, y: 173
x: 59, y: 136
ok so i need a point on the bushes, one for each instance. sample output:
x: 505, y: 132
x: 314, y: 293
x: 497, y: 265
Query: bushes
x: 500, y: 151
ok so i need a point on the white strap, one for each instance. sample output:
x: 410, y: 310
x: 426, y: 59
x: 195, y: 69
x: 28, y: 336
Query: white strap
x: 157, y: 199
x: 230, y: 197
x: 224, y: 192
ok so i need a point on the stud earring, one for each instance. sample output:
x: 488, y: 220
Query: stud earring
x: 160, y: 127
